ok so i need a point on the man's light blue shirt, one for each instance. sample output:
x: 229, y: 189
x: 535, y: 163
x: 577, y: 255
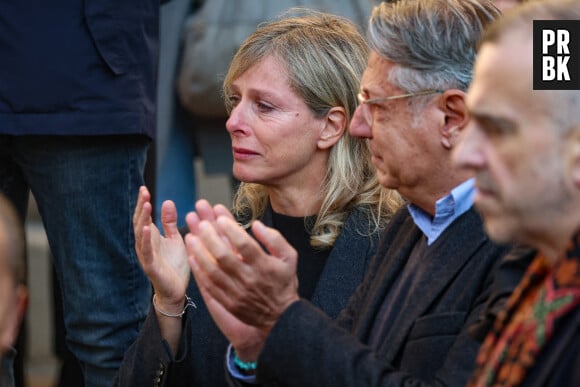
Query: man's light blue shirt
x: 447, y: 209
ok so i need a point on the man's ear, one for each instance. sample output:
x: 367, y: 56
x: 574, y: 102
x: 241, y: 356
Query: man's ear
x: 452, y: 104
x: 334, y: 127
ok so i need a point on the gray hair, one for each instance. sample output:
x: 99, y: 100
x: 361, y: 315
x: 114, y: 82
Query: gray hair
x: 433, y: 42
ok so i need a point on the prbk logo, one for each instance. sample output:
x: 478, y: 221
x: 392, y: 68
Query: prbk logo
x: 557, y: 54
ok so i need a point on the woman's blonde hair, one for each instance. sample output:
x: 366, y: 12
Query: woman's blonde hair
x: 325, y: 56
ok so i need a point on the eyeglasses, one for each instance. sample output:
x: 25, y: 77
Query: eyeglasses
x: 364, y: 103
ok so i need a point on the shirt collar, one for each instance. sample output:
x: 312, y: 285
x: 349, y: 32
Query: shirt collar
x: 447, y: 209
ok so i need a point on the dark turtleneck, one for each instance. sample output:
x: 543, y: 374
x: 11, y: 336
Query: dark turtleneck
x: 311, y: 260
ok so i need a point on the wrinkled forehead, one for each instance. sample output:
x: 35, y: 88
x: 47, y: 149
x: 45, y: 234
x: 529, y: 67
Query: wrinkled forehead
x: 376, y: 75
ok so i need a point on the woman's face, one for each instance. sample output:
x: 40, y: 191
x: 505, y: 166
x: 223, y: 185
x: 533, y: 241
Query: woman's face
x: 274, y: 134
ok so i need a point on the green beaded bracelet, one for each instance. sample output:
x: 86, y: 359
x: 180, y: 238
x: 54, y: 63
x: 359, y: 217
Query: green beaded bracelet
x: 243, y: 365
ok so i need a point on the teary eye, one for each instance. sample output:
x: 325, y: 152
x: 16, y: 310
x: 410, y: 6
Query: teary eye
x: 264, y: 107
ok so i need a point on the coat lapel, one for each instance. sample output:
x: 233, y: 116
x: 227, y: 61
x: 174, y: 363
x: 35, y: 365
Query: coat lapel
x: 445, y: 259
x: 345, y: 266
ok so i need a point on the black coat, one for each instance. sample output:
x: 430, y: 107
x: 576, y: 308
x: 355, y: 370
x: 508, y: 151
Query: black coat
x: 430, y: 345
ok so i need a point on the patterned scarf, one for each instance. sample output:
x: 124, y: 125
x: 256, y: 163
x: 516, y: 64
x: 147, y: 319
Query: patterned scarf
x: 544, y: 295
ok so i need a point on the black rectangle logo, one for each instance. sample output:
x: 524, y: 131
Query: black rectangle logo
x: 557, y: 54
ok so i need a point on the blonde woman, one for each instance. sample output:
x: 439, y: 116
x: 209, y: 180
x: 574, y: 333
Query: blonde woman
x: 291, y: 91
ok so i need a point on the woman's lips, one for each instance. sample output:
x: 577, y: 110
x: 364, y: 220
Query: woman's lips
x: 243, y: 153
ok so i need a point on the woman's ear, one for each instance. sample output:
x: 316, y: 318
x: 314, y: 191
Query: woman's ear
x: 452, y: 104
x: 334, y: 127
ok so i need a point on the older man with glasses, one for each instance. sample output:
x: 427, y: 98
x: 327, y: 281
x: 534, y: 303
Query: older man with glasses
x: 432, y: 276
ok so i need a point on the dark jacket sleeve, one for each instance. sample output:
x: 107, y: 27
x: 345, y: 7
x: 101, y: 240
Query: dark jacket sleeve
x: 199, y: 360
x: 316, y: 352
x: 147, y: 361
x: 201, y: 354
x: 305, y: 348
x: 341, y: 278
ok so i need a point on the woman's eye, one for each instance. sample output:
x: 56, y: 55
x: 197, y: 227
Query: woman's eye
x: 263, y: 107
x: 234, y: 100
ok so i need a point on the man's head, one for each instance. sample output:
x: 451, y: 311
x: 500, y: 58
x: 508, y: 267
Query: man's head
x: 13, y: 293
x: 523, y: 144
x: 424, y: 50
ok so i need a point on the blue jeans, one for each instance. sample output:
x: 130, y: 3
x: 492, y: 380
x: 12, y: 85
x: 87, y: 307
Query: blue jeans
x: 86, y: 189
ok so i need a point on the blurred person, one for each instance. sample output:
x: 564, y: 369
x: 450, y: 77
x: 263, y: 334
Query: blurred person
x: 524, y: 147
x: 174, y: 142
x: 13, y: 291
x: 291, y: 91
x: 432, y: 277
x: 78, y: 112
